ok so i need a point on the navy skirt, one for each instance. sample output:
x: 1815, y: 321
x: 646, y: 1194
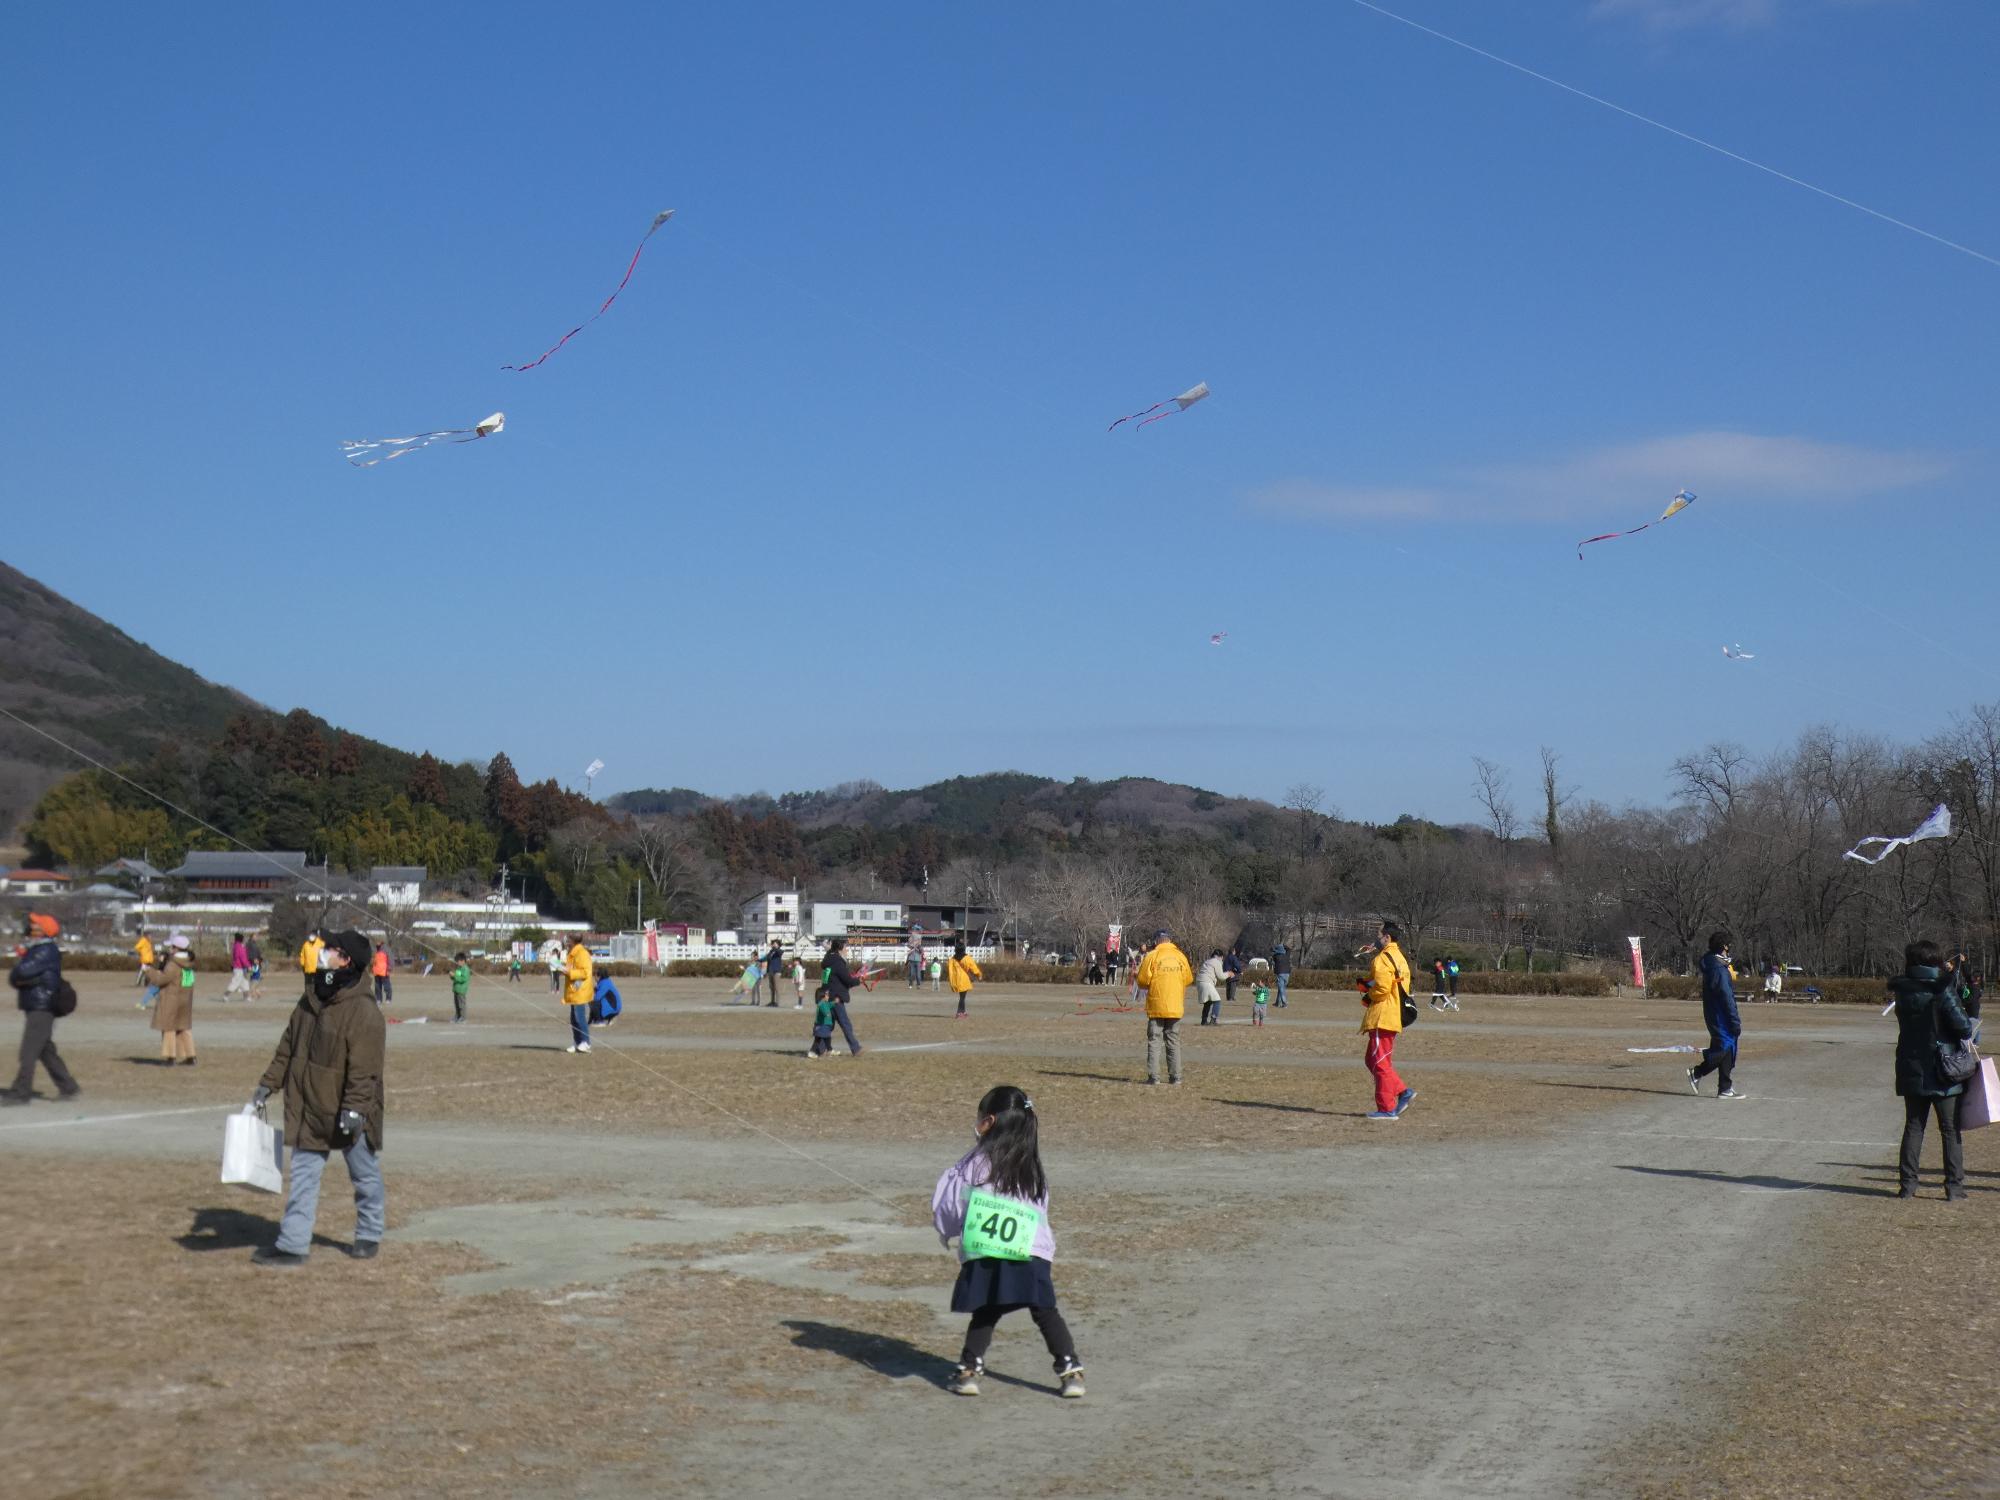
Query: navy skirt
x: 987, y: 1282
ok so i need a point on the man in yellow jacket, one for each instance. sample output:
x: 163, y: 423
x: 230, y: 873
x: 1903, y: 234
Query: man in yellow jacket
x: 578, y: 984
x: 1382, y: 1018
x: 309, y: 952
x: 960, y: 972
x: 1164, y: 975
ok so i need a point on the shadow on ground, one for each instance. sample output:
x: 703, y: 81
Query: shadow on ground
x: 217, y: 1228
x: 898, y: 1359
x: 1762, y: 1180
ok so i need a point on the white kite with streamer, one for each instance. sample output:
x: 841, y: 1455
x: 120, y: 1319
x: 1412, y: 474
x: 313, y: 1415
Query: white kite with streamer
x: 353, y: 448
x: 1936, y: 826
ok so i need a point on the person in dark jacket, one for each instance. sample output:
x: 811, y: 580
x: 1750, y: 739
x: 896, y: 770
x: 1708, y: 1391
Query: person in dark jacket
x: 1232, y: 970
x: 36, y: 977
x: 1928, y: 1016
x: 329, y: 1064
x: 1281, y: 965
x: 774, y: 970
x: 1719, y: 1013
x: 840, y: 982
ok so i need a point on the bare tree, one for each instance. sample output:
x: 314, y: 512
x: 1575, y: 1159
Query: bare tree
x: 1421, y: 883
x: 1490, y: 789
x: 1554, y: 800
x: 675, y: 867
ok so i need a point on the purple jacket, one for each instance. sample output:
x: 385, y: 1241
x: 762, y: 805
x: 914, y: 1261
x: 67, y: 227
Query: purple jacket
x: 239, y: 956
x: 955, y: 1187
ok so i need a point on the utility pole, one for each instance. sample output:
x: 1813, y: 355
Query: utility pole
x: 638, y: 891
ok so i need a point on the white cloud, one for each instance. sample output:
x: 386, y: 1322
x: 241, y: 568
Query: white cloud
x: 1683, y: 15
x: 1663, y: 16
x: 1738, y: 465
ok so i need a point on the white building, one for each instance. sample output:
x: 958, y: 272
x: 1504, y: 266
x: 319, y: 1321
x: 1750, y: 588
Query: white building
x: 868, y: 916
x: 34, y: 883
x: 771, y: 916
x: 398, y: 885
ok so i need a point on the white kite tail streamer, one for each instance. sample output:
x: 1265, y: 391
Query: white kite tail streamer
x: 1936, y: 826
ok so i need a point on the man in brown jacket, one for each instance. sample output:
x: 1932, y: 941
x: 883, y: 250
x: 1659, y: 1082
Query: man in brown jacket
x: 329, y: 1063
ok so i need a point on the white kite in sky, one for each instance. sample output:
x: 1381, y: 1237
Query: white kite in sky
x: 352, y: 449
x: 1737, y: 653
x: 1179, y: 404
x: 1936, y: 826
x: 590, y: 774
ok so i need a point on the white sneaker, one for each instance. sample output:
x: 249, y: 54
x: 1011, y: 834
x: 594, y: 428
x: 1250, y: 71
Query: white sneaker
x: 1730, y: 1094
x: 570, y: 1048
x: 583, y: 1046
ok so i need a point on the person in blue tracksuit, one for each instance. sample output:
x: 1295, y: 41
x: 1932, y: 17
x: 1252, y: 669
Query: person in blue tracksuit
x: 606, y: 1005
x: 1718, y: 1012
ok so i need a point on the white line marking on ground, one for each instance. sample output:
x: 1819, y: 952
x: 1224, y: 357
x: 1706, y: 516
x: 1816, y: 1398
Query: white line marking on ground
x: 917, y: 1046
x: 201, y: 1109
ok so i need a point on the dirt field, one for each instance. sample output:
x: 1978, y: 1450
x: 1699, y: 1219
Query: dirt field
x: 694, y: 1262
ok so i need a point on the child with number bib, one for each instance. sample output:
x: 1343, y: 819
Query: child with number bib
x: 996, y: 1202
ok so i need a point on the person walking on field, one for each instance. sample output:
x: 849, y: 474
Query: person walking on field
x: 552, y: 955
x: 239, y: 969
x: 461, y: 985
x: 379, y: 966
x: 840, y: 981
x: 1382, y: 1019
x: 173, y: 1013
x: 144, y: 948
x: 1232, y: 970
x: 774, y: 970
x: 577, y: 987
x: 1281, y: 967
x: 961, y: 971
x: 329, y: 1065
x: 1719, y: 1013
x: 39, y: 990
x: 1165, y: 976
x: 1929, y: 1018
x: 1205, y: 981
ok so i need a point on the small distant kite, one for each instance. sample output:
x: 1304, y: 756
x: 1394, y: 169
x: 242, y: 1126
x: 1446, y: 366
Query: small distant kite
x: 1218, y: 638
x: 658, y: 219
x: 1936, y: 826
x: 590, y: 774
x: 1737, y: 653
x: 353, y: 449
x: 1681, y: 501
x: 1179, y: 404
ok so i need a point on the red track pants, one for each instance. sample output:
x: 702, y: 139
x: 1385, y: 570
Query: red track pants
x: 1381, y: 1059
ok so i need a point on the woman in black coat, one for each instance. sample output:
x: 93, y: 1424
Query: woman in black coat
x: 1928, y: 1016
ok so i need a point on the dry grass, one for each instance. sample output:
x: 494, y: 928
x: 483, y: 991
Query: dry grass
x: 1872, y: 1383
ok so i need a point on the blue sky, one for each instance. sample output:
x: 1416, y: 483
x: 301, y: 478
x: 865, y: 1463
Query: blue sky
x: 828, y: 493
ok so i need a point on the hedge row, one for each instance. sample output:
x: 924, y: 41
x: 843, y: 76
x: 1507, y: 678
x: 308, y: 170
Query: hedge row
x: 1832, y: 991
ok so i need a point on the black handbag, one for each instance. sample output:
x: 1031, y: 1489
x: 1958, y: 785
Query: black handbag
x: 1409, y: 1006
x: 1958, y: 1061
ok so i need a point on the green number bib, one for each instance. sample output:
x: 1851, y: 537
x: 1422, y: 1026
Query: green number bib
x: 999, y: 1228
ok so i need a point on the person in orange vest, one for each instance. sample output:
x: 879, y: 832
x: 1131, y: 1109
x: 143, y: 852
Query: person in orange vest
x: 379, y: 967
x: 961, y: 971
x: 1382, y: 995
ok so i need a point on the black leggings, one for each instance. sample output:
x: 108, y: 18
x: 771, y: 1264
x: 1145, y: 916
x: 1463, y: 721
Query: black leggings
x: 1055, y: 1333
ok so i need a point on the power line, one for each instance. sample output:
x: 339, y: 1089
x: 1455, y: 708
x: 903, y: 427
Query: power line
x: 1706, y: 145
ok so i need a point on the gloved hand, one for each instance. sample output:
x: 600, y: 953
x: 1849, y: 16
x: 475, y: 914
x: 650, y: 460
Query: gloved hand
x: 353, y: 1122
x: 257, y: 1099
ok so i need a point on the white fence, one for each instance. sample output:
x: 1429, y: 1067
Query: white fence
x: 630, y: 948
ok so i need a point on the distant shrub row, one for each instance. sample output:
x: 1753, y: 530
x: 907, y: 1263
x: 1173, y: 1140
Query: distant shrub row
x: 1748, y: 989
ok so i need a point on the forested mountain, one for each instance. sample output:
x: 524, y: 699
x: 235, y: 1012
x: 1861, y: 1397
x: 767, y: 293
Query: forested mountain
x: 86, y: 681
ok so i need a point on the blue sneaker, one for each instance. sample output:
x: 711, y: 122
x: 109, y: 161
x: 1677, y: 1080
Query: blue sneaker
x: 1386, y: 1114
x: 1403, y: 1100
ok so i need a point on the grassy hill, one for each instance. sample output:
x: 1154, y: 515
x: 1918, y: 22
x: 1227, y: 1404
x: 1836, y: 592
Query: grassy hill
x: 85, y: 680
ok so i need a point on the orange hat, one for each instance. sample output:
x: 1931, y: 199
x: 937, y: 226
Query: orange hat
x: 42, y: 924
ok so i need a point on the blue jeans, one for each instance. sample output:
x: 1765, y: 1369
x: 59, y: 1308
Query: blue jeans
x: 1283, y: 981
x: 579, y: 1025
x: 846, y: 1026
x: 364, y: 1169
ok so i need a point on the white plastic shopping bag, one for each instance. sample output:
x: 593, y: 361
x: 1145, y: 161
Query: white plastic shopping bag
x: 253, y: 1151
x: 1982, y: 1097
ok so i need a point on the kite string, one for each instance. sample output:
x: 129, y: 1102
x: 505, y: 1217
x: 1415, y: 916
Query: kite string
x: 1695, y: 140
x: 486, y: 982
